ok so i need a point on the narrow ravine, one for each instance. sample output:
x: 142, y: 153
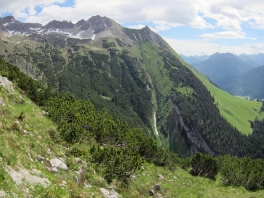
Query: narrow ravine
x: 155, y: 127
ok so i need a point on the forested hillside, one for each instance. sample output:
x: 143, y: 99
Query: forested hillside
x: 100, y: 152
x: 134, y: 74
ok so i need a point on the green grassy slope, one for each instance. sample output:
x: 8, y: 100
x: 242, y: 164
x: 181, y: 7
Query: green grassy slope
x: 20, y: 151
x: 238, y: 111
x: 25, y: 135
x: 181, y: 184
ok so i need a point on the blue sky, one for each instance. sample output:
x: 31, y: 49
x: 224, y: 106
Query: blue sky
x: 191, y: 27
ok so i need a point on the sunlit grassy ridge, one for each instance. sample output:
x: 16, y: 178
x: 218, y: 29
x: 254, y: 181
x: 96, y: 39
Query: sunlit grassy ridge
x: 238, y: 111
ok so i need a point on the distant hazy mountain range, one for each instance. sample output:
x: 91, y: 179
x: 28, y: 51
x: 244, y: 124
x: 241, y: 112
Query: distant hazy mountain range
x: 238, y: 75
x: 249, y: 83
x: 194, y: 59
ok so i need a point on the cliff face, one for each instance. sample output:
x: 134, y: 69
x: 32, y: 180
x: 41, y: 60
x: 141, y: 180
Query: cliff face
x: 184, y: 141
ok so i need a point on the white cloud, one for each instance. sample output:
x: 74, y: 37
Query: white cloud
x: 139, y: 26
x: 200, y: 23
x: 205, y: 48
x: 50, y: 13
x: 15, y: 5
x: 225, y: 18
x: 32, y: 11
x: 225, y: 35
x: 228, y: 15
x: 235, y: 12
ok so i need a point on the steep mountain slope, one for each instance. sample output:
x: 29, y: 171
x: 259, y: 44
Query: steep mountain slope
x: 255, y: 60
x: 132, y: 73
x: 239, y: 111
x: 30, y: 142
x: 249, y: 83
x: 220, y: 66
x: 234, y: 74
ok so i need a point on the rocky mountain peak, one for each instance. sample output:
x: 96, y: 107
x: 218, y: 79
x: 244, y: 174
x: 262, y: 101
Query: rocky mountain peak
x: 99, y: 23
x: 8, y: 19
x: 93, y: 28
x: 59, y: 25
x: 80, y: 23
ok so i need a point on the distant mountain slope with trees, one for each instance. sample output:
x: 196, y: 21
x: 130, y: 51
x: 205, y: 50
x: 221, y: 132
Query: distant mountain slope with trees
x: 220, y: 66
x: 249, y: 83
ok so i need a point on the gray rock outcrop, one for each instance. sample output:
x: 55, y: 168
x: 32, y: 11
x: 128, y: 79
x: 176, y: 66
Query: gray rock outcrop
x: 109, y: 194
x: 6, y: 83
x: 58, y: 163
x: 24, y: 175
x: 157, y: 186
x: 40, y: 158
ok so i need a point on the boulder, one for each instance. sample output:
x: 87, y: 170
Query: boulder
x: 55, y: 162
x: 6, y: 83
x: 151, y: 192
x: 40, y: 158
x: 49, y: 151
x: 78, y: 160
x: 63, y: 166
x: 58, y: 163
x: 133, y: 176
x: 44, y: 112
x: 160, y: 176
x: 109, y: 194
x: 2, y: 103
x: 157, y: 186
x: 54, y: 170
x: 26, y: 132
